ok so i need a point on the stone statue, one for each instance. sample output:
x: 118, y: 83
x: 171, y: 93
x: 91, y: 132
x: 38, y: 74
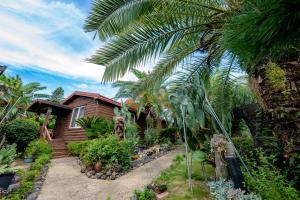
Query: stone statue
x: 119, y: 127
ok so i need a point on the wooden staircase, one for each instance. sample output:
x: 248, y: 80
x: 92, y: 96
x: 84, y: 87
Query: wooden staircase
x: 74, y: 137
x: 59, y: 148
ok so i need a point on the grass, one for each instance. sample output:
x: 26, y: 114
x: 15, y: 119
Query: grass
x: 175, y: 177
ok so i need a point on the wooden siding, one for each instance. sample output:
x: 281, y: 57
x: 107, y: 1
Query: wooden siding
x: 93, y: 107
x: 77, y: 134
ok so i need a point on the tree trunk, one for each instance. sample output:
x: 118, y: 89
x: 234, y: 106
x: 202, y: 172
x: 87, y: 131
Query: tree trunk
x: 284, y: 108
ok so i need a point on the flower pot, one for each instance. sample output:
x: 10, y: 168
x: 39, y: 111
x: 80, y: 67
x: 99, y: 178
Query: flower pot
x: 98, y: 167
x: 28, y: 160
x: 5, y: 180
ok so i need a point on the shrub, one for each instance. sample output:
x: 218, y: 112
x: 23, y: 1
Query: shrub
x: 270, y: 184
x: 8, y: 154
x: 169, y: 133
x: 111, y: 152
x: 146, y: 194
x: 77, y: 148
x: 95, y: 126
x: 131, y: 131
x: 38, y: 147
x: 43, y: 155
x: 244, y: 146
x: 223, y: 190
x: 150, y: 137
x: 21, y: 132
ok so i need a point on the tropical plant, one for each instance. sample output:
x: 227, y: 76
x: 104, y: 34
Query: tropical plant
x: 110, y: 151
x: 95, y: 126
x: 20, y: 131
x: 17, y: 96
x: 8, y: 154
x: 38, y: 147
x: 57, y: 95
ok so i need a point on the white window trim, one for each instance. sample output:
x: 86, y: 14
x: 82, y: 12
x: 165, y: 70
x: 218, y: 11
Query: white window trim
x: 76, y: 126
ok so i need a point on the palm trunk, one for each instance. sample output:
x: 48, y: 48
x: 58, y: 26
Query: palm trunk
x: 284, y: 108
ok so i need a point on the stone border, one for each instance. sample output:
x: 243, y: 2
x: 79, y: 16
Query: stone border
x: 112, y: 175
x: 38, y: 183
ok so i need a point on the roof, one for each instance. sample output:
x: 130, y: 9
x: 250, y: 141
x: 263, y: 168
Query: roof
x: 91, y: 95
x: 41, y: 106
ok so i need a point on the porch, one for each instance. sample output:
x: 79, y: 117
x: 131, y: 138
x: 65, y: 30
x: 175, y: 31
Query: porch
x: 55, y: 136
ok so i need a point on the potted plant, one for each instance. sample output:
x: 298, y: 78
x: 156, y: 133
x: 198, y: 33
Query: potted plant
x: 7, y: 155
x: 30, y: 152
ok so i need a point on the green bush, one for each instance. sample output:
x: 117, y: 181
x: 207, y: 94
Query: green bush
x: 38, y: 147
x: 150, y: 137
x: 244, y: 146
x: 131, y: 131
x: 8, y: 154
x: 77, y: 148
x: 42, y: 150
x: 111, y: 152
x: 169, y: 133
x: 146, y: 194
x: 267, y: 180
x: 95, y: 127
x: 21, y: 132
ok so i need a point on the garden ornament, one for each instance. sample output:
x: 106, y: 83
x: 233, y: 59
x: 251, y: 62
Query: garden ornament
x: 119, y: 127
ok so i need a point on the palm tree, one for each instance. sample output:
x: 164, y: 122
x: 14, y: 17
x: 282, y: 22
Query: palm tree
x: 260, y: 37
x: 17, y: 96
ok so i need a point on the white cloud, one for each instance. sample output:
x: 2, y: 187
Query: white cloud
x: 82, y: 86
x: 30, y: 35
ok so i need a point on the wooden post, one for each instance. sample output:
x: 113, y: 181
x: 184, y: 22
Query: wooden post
x: 44, y: 131
x: 218, y: 142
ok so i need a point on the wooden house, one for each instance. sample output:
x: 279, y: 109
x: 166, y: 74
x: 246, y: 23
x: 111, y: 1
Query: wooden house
x: 78, y: 104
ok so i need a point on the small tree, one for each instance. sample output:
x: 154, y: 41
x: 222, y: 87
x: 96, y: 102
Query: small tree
x: 57, y: 95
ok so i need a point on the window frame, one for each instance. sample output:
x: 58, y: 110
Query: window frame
x: 73, y: 111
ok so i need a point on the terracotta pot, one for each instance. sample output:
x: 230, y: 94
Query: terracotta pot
x: 98, y: 167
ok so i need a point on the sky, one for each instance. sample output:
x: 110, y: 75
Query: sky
x: 43, y: 41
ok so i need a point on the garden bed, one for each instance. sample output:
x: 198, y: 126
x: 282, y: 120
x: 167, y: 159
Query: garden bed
x: 141, y: 157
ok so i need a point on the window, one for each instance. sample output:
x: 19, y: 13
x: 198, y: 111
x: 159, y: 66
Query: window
x: 77, y: 113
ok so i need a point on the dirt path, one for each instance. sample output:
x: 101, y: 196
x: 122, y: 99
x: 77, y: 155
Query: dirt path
x: 64, y: 181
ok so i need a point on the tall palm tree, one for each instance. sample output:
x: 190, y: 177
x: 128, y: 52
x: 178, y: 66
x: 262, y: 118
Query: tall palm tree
x: 262, y: 37
x: 17, y: 96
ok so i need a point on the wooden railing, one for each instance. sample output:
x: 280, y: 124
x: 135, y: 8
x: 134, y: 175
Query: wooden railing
x: 46, y: 133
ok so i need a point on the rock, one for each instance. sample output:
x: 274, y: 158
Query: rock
x: 13, y: 187
x: 108, y: 173
x: 88, y: 174
x: 32, y: 196
x: 98, y: 167
x: 38, y: 183
x: 93, y: 177
x: 162, y: 196
x: 98, y: 175
x: 103, y: 177
x: 134, y: 197
x: 16, y: 179
x: 92, y: 172
x: 83, y: 169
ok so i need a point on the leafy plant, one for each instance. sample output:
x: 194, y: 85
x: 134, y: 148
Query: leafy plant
x: 77, y: 148
x: 95, y: 126
x: 169, y: 133
x: 38, y: 147
x: 21, y: 132
x: 8, y: 154
x: 43, y: 156
x: 223, y: 190
x: 111, y: 152
x: 145, y: 194
x: 150, y: 137
x: 269, y: 184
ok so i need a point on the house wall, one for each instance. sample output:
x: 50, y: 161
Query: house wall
x: 92, y: 108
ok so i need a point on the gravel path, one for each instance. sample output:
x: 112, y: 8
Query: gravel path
x: 64, y: 181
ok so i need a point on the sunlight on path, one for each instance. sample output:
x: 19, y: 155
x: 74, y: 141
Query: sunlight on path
x: 64, y: 181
